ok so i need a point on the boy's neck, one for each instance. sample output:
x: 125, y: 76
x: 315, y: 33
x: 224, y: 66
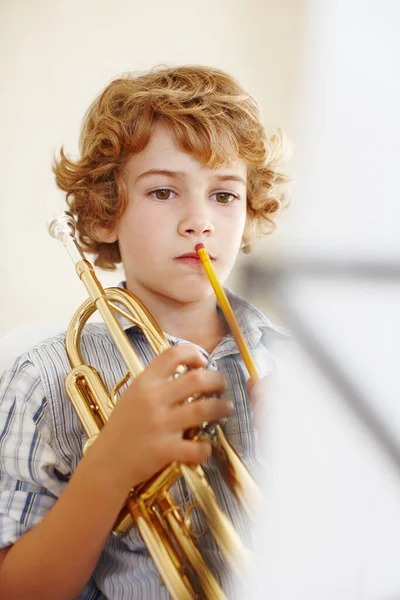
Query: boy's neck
x: 201, y: 325
x: 196, y: 322
x: 208, y: 340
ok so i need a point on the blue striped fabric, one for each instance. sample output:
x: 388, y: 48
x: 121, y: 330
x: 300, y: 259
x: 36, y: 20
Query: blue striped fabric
x: 41, y: 443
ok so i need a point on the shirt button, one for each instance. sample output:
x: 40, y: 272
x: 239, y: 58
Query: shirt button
x: 213, y: 366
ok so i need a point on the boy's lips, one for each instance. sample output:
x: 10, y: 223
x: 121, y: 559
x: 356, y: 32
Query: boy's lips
x: 192, y: 255
x: 191, y: 258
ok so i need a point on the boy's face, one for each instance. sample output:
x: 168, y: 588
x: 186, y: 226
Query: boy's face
x: 175, y: 202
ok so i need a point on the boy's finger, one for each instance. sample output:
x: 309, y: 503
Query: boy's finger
x: 196, y: 381
x: 249, y: 385
x: 165, y: 364
x: 197, y: 412
x: 261, y: 395
x: 192, y: 452
x: 263, y: 388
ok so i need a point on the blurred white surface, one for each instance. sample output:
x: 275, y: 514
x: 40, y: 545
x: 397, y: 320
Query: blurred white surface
x: 358, y: 321
x: 331, y: 524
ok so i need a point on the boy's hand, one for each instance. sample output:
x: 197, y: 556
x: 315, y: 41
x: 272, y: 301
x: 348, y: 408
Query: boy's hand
x: 260, y: 393
x: 145, y: 430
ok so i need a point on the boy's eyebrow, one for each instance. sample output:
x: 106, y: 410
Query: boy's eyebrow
x: 168, y: 173
x: 231, y: 178
x: 159, y: 172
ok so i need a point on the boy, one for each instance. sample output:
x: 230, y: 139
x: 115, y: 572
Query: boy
x: 169, y: 159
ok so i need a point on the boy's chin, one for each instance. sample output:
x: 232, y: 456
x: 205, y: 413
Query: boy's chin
x: 188, y: 294
x: 192, y: 294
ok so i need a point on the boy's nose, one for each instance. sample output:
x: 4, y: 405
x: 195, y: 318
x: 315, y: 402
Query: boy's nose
x: 195, y: 226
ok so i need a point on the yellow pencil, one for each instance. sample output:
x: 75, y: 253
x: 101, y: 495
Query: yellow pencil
x: 228, y: 312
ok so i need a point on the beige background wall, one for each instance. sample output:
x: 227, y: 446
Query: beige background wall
x: 56, y: 56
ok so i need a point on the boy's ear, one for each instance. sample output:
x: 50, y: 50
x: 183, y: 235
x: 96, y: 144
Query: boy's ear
x: 106, y: 235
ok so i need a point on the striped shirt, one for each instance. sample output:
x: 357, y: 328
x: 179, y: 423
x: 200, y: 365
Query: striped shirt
x: 41, y: 443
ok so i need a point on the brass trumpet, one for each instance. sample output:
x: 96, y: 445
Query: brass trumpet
x: 150, y: 505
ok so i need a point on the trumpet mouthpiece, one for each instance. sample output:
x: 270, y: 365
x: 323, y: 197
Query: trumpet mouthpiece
x: 63, y: 225
x: 63, y: 229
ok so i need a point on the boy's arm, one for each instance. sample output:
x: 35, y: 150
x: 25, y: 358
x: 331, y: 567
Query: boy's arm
x: 57, y: 557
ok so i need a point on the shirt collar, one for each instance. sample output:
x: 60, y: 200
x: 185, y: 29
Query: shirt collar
x: 255, y: 327
x: 253, y: 324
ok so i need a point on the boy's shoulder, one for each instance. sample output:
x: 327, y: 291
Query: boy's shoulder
x: 51, y: 350
x: 90, y: 333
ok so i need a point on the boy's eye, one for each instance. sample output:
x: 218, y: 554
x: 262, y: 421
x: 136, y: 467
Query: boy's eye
x: 162, y: 194
x: 224, y: 197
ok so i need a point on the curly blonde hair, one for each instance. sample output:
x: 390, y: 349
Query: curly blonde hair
x: 210, y: 115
